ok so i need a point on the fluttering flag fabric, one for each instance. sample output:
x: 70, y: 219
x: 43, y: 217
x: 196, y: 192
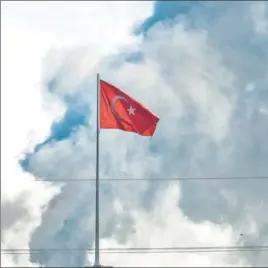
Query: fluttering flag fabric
x: 120, y: 111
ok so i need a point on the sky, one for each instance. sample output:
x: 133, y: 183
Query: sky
x: 200, y: 66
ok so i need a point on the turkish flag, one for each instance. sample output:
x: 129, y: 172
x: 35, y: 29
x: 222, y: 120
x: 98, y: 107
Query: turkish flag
x: 120, y: 111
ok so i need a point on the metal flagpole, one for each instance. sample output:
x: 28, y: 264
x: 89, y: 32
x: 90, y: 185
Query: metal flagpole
x: 97, y: 234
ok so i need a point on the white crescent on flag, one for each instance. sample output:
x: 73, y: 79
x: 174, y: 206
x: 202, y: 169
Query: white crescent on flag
x: 118, y: 97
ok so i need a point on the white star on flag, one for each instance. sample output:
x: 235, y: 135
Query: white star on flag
x: 131, y: 110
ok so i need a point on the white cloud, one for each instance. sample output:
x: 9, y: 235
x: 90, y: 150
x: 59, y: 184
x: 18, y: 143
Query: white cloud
x: 260, y: 17
x: 195, y: 85
x: 166, y: 226
x: 133, y: 156
x: 29, y: 31
x: 21, y: 113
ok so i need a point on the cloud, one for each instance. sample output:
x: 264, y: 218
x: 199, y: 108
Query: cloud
x: 23, y: 199
x: 259, y: 16
x: 166, y: 226
x: 195, y: 75
x: 29, y: 32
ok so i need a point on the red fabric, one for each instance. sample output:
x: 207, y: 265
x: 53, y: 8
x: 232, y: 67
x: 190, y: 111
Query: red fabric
x: 119, y: 111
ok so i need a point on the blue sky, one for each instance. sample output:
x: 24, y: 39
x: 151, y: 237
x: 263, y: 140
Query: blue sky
x: 166, y: 10
x: 201, y: 67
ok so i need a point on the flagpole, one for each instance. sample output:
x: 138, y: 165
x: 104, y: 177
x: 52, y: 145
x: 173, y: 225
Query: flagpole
x: 97, y: 234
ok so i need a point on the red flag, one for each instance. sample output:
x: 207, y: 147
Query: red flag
x: 119, y: 111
